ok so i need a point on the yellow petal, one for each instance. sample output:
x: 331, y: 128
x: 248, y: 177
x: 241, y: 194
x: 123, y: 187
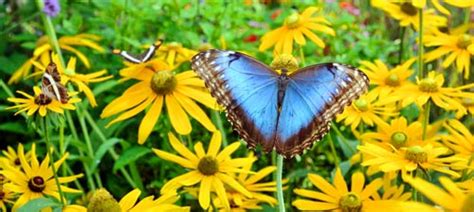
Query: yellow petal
x: 149, y: 121
x: 178, y: 118
x: 205, y: 192
x: 129, y: 200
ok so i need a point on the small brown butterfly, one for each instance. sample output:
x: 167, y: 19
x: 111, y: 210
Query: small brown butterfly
x: 51, y: 84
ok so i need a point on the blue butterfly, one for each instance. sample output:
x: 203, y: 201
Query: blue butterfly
x: 282, y: 111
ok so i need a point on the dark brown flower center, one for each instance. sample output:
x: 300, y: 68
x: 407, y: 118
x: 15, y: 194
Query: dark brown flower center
x: 398, y: 139
x: 2, y: 195
x: 409, y: 9
x: 17, y: 161
x: 42, y: 100
x: 416, y: 154
x: 208, y: 165
x: 36, y: 184
x: 163, y: 82
x: 350, y: 202
x: 444, y: 29
x: 468, y: 102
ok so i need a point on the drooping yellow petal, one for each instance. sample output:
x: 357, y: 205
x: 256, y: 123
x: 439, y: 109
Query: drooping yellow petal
x: 149, y: 120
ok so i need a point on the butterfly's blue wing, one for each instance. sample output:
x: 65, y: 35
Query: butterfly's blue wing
x: 313, y: 96
x: 246, y: 88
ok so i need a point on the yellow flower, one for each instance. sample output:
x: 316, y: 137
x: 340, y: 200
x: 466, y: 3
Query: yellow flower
x: 459, y: 139
x: 11, y: 158
x: 81, y: 81
x: 35, y: 179
x: 212, y: 170
x: 339, y: 198
x: 452, y: 198
x: 158, y: 85
x: 368, y: 109
x: 41, y: 103
x: 391, y: 191
x: 468, y: 107
x: 102, y: 200
x: 6, y: 196
x: 397, y: 134
x: 165, y: 202
x: 408, y: 159
x: 297, y: 26
x: 43, y: 48
x: 459, y: 45
x: 387, y: 81
x: 174, y: 53
x: 431, y: 88
x: 408, y: 15
x: 251, y: 183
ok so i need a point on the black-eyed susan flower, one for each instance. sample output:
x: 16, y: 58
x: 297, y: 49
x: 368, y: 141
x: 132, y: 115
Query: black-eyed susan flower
x: 295, y: 28
x: 174, y: 53
x: 408, y: 159
x: 460, y: 139
x: 159, y: 86
x: 368, y: 109
x: 451, y: 198
x: 10, y: 157
x: 67, y: 43
x: 409, y: 15
x: 431, y: 88
x: 102, y: 200
x: 397, y: 134
x: 387, y: 81
x: 339, y: 197
x: 35, y: 179
x: 458, y: 46
x: 6, y: 197
x: 212, y: 170
x: 41, y: 103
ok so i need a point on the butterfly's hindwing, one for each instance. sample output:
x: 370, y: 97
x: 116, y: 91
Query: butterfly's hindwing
x: 246, y: 88
x: 314, y: 96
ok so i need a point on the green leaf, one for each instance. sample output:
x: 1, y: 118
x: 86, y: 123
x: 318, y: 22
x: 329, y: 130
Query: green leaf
x: 130, y: 155
x: 38, y: 204
x: 101, y: 152
x: 13, y: 127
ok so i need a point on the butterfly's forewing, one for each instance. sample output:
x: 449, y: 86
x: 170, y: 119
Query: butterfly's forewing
x: 246, y: 88
x: 313, y: 97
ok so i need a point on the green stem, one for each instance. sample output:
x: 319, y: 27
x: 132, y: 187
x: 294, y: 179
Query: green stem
x: 333, y: 149
x: 303, y: 61
x: 51, y: 158
x: 111, y: 151
x: 402, y: 41
x: 420, y: 45
x: 49, y: 28
x: 279, y: 181
x: 426, y: 119
x: 90, y: 150
x: 343, y: 138
x: 220, y: 126
x: 61, y: 146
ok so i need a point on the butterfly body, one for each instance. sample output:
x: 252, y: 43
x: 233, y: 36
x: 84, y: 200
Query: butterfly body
x: 285, y: 111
